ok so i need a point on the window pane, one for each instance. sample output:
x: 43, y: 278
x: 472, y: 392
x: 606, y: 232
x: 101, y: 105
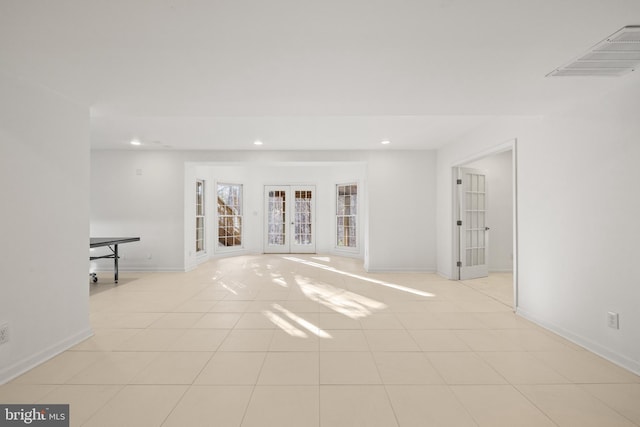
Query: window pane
x: 200, y: 216
x: 346, y: 210
x: 229, y: 215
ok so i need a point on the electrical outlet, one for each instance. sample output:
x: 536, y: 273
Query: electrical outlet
x: 613, y: 320
x: 4, y: 333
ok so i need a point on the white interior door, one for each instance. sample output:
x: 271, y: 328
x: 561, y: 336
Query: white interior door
x: 473, y: 233
x: 290, y: 219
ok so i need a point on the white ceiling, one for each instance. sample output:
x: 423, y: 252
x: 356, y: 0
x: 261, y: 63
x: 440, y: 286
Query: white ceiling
x: 207, y: 74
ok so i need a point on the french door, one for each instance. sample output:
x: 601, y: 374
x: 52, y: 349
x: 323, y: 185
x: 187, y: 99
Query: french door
x: 290, y: 219
x: 473, y: 233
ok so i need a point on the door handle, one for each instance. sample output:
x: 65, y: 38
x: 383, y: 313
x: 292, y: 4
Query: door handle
x: 487, y: 229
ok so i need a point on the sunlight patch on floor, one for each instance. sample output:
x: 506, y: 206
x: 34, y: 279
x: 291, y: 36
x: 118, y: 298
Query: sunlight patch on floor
x: 225, y: 286
x: 367, y: 279
x: 302, y: 322
x: 283, y: 324
x: 344, y: 302
x: 279, y: 280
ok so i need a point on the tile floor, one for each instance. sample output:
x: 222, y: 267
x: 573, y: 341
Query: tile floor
x: 315, y: 341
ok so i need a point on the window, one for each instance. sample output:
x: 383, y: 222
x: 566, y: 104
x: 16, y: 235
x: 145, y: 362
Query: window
x: 200, y: 216
x: 346, y: 215
x: 229, y: 215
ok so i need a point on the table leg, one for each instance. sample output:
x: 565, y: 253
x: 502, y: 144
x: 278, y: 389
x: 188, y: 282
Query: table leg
x: 115, y: 262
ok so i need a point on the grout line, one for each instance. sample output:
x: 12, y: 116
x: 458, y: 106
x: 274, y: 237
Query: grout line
x: 184, y: 393
x: 586, y: 390
x: 534, y: 404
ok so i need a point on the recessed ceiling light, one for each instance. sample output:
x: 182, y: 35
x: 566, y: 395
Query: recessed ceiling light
x: 136, y: 142
x: 385, y: 142
x: 257, y: 142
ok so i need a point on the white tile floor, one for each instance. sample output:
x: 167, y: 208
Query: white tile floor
x: 302, y: 341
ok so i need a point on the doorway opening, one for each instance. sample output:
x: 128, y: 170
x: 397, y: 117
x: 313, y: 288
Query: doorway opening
x: 485, y: 222
x: 290, y: 219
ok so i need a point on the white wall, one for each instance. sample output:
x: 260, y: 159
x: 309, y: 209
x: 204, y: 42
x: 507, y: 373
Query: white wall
x: 402, y: 228
x: 44, y: 182
x: 577, y: 218
x: 157, y: 205
x: 498, y: 168
x: 139, y: 194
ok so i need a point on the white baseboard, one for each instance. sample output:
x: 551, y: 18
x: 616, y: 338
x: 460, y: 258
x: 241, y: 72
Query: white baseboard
x: 141, y: 270
x: 231, y: 253
x: 344, y: 254
x: 444, y: 276
x: 611, y: 356
x: 401, y: 270
x: 19, y: 368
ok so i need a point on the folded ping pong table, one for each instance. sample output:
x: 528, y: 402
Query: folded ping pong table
x: 112, y: 243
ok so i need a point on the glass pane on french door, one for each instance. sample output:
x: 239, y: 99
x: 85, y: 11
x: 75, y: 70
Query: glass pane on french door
x: 473, y: 232
x: 290, y: 219
x: 276, y: 217
x: 303, y: 217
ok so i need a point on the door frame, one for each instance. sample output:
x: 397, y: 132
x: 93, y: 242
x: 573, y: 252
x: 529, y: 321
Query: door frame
x: 511, y: 145
x: 290, y: 206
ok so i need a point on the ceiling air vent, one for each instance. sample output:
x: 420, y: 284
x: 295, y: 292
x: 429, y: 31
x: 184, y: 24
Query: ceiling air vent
x: 614, y: 56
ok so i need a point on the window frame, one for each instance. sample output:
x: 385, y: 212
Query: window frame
x: 237, y: 218
x: 201, y: 210
x: 355, y: 216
